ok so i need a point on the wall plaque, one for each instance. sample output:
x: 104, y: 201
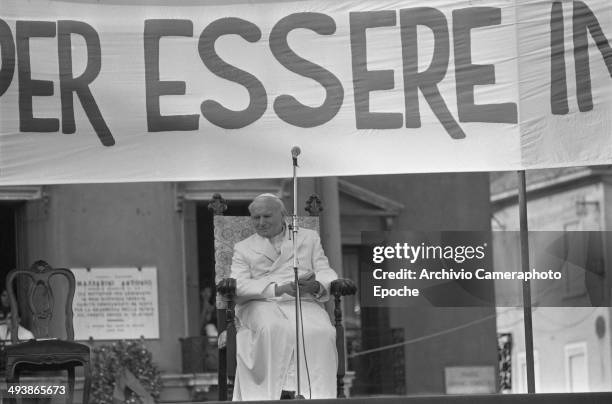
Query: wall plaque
x: 116, y: 303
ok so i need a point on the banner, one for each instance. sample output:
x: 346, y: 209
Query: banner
x: 108, y: 92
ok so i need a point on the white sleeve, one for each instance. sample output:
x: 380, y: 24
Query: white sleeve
x: 248, y: 288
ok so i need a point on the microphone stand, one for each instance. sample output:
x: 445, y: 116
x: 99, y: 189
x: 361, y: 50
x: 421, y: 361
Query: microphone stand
x: 298, y: 302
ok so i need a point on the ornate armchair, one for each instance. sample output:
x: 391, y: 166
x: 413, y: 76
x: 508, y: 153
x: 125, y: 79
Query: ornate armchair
x: 36, y: 290
x: 229, y: 230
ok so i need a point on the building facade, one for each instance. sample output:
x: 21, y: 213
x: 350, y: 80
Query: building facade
x: 572, y: 344
x: 168, y: 226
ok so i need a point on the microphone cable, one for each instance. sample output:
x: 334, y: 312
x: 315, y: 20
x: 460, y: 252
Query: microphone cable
x: 304, y: 349
x: 299, y: 305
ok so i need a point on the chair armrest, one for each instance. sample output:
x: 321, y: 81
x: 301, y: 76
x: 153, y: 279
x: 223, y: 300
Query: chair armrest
x: 227, y: 287
x: 343, y: 287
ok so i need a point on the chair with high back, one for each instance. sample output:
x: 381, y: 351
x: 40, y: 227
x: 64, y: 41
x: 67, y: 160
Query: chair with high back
x: 228, y: 230
x: 34, y: 289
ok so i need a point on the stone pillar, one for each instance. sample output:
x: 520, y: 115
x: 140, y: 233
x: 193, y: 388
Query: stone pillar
x: 327, y: 188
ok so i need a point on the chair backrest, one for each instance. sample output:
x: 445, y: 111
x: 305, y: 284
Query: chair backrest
x: 231, y: 229
x: 34, y: 289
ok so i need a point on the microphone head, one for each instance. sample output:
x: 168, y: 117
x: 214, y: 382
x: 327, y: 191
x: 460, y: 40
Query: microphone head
x: 295, y: 151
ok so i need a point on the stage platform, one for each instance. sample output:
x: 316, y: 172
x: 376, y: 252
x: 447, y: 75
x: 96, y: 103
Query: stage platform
x: 544, y: 398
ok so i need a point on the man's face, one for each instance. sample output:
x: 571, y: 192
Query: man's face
x: 267, y: 218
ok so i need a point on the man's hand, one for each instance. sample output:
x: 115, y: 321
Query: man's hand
x: 288, y: 288
x: 309, y: 284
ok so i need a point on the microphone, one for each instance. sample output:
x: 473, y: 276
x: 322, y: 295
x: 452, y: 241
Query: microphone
x: 295, y: 152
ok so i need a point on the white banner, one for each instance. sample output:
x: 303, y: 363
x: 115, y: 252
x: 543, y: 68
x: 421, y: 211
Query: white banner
x: 106, y: 92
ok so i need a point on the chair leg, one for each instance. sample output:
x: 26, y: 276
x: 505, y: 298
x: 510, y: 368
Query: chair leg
x: 10, y: 373
x: 70, y: 396
x: 86, y: 382
x: 12, y: 376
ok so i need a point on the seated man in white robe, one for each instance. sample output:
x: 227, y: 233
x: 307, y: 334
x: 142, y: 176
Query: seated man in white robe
x: 265, y: 294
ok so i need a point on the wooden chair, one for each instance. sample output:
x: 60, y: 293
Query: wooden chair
x: 44, y: 353
x: 228, y: 231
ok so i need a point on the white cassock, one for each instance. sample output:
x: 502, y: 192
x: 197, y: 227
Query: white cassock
x: 265, y: 340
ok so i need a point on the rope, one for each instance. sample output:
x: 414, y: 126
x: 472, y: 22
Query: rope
x: 424, y: 337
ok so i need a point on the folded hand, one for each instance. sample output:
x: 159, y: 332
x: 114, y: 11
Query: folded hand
x: 309, y: 284
x: 286, y: 288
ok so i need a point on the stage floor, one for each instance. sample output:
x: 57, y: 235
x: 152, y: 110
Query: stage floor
x: 544, y: 398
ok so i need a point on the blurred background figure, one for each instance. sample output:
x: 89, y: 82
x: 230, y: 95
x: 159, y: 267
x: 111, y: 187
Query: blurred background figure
x: 5, y: 331
x: 5, y: 305
x: 208, y: 315
x: 5, y: 321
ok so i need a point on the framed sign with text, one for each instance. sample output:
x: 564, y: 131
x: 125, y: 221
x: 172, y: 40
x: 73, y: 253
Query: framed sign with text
x: 116, y: 303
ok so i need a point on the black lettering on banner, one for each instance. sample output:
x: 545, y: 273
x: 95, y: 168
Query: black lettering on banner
x: 80, y: 85
x: 583, y: 19
x: 29, y: 87
x: 7, y: 50
x: 365, y: 81
x: 468, y: 75
x: 558, y: 80
x: 154, y: 30
x: 258, y: 99
x: 287, y: 107
x: 428, y: 79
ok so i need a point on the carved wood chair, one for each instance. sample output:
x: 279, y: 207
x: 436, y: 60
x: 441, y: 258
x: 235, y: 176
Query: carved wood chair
x: 228, y: 231
x: 36, y: 290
